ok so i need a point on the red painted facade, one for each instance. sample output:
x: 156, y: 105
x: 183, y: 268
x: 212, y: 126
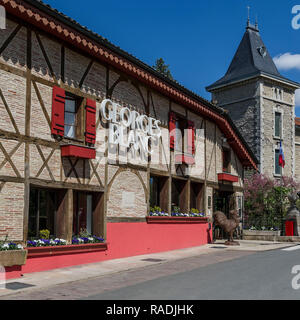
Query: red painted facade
x: 123, y: 240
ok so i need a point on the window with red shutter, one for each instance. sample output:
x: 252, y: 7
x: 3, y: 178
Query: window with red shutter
x: 172, y: 129
x: 58, y: 111
x: 90, y: 124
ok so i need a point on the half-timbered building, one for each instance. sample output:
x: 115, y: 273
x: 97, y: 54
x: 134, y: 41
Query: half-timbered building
x: 60, y: 171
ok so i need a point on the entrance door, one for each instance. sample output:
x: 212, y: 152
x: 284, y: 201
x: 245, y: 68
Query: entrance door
x: 224, y: 201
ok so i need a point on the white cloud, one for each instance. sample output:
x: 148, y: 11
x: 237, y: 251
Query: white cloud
x: 297, y: 98
x: 287, y: 61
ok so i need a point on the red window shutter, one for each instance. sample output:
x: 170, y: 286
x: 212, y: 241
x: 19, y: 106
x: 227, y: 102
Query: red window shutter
x: 191, y: 138
x: 58, y: 111
x: 172, y: 129
x: 90, y: 123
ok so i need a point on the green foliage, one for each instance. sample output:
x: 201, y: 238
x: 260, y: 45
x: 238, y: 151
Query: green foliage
x: 155, y: 209
x: 176, y: 210
x: 5, y: 240
x: 163, y: 68
x: 84, y: 233
x: 193, y: 210
x: 266, y: 201
x: 44, y: 234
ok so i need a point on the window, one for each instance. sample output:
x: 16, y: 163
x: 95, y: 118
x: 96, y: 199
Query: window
x: 179, y: 195
x: 154, y: 192
x: 70, y: 117
x: 182, y: 134
x: 278, y: 124
x: 42, y: 209
x: 83, y: 212
x: 196, y: 196
x: 278, y: 168
x: 181, y: 124
x: 226, y: 160
x: 159, y: 192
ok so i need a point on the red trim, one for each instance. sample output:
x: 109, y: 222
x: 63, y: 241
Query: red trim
x: 58, y: 111
x: 191, y: 137
x: 184, y: 158
x: 172, y: 129
x: 71, y: 150
x: 41, y: 20
x: 90, y: 121
x: 227, y: 177
x: 62, y: 250
x: 176, y: 220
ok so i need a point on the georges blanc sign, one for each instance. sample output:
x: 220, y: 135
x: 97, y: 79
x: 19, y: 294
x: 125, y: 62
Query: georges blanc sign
x: 129, y: 128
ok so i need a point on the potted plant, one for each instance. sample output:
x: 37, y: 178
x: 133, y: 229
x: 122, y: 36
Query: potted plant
x: 261, y: 233
x: 12, y: 254
x: 156, y: 211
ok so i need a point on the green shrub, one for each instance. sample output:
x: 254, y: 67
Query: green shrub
x: 155, y: 208
x: 84, y: 233
x: 193, y: 210
x: 176, y: 210
x: 44, y: 234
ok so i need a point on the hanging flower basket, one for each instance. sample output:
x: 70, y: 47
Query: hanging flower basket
x: 9, y: 258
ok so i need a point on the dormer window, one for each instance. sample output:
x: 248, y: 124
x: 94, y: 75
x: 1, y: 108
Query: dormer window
x: 262, y: 51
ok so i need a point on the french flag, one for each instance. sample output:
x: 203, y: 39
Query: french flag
x: 281, y: 157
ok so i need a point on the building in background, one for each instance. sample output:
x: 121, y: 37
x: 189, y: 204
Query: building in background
x: 261, y: 103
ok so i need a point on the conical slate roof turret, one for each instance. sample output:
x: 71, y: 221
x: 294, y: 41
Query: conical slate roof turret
x: 251, y: 59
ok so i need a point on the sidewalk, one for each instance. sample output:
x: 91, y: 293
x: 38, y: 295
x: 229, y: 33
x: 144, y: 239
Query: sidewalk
x: 38, y: 280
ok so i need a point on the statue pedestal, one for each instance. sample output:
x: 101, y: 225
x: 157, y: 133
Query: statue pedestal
x: 232, y: 243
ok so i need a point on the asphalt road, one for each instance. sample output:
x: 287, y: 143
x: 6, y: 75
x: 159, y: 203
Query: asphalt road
x: 221, y: 274
x: 264, y: 275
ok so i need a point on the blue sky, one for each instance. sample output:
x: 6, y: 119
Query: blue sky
x: 196, y: 38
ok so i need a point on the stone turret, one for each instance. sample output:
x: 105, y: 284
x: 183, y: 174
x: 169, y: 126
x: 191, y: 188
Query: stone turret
x: 260, y: 101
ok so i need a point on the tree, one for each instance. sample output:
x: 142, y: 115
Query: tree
x: 266, y: 201
x: 163, y: 68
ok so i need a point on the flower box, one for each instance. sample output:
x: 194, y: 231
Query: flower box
x: 157, y: 219
x: 260, y: 235
x: 66, y: 249
x: 10, y: 258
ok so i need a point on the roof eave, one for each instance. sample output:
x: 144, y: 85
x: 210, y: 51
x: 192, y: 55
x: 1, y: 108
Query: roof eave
x: 285, y: 81
x: 186, y: 97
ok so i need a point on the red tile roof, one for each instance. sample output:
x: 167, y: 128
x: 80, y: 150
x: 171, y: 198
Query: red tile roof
x: 297, y: 121
x: 71, y: 32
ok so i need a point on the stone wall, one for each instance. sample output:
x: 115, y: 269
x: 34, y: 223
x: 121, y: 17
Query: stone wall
x: 252, y: 107
x: 288, y: 134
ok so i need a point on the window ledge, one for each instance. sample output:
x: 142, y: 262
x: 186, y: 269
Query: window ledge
x: 77, y: 151
x: 64, y: 250
x: 227, y: 177
x: 176, y: 220
x: 184, y: 158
